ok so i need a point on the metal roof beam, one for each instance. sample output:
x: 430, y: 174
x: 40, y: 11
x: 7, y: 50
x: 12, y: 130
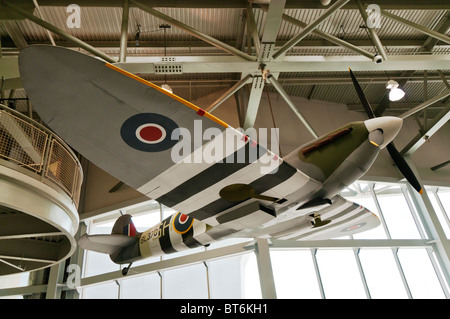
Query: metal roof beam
x: 425, y: 104
x: 269, y: 36
x: 416, y: 26
x: 310, y: 28
x: 38, y: 10
x: 290, y: 4
x: 251, y: 25
x: 124, y: 31
x: 58, y: 31
x: 421, y: 138
x: 229, y: 64
x: 229, y: 93
x: 442, y: 28
x: 14, y: 32
x: 194, y: 32
x: 373, y: 35
x: 345, y: 80
x: 326, y: 36
x: 427, y: 46
x: 355, y: 46
x: 291, y: 104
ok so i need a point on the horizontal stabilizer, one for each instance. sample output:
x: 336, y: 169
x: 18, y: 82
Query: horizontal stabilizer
x: 107, y: 244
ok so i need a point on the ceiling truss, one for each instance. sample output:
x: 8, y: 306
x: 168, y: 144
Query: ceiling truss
x: 267, y: 58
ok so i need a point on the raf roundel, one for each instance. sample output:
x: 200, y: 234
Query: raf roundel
x: 182, y: 223
x: 354, y: 227
x: 149, y: 132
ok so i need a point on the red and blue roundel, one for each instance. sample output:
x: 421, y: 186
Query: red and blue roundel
x: 182, y: 223
x: 149, y: 132
x: 354, y: 227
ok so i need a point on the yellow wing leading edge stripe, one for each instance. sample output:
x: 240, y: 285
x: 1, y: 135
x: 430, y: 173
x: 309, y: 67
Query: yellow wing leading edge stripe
x: 199, y: 111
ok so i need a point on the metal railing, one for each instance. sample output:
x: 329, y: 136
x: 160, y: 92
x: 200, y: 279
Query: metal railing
x: 29, y: 144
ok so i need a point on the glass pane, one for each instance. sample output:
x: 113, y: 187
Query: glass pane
x: 252, y: 286
x: 98, y: 263
x: 340, y: 274
x: 186, y: 282
x: 381, y: 273
x: 397, y: 215
x: 444, y: 196
x: 420, y: 274
x: 142, y: 287
x: 294, y: 274
x: 229, y: 286
x: 241, y: 279
x: 109, y: 290
x: 440, y: 214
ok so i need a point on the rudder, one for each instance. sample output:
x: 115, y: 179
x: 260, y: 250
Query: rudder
x: 124, y: 226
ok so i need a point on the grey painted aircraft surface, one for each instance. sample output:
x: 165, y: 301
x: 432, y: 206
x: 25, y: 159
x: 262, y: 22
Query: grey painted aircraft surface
x: 225, y: 185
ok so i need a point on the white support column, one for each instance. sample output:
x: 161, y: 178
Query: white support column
x: 76, y: 259
x: 54, y: 287
x: 316, y: 269
x: 266, y: 279
x: 432, y: 225
x: 356, y: 252
x: 394, y: 250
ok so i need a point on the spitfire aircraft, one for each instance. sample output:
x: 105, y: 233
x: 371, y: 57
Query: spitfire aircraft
x: 130, y: 128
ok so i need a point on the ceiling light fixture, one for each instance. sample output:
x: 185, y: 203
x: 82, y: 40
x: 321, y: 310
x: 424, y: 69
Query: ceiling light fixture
x: 396, y: 93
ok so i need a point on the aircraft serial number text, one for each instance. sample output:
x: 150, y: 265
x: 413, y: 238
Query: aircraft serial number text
x: 155, y: 233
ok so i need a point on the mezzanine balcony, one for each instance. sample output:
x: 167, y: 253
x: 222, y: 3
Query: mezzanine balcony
x: 40, y: 182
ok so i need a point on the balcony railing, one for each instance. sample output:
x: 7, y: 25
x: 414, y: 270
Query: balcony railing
x: 29, y: 144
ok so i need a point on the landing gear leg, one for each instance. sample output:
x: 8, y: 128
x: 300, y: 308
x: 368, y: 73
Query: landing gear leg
x: 318, y: 222
x: 126, y: 269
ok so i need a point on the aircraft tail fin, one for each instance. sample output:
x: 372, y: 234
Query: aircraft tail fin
x: 123, y: 234
x: 124, y: 226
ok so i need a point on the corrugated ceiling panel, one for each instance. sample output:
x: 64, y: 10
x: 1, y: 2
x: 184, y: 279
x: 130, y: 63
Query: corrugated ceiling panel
x: 104, y: 24
x: 346, y: 24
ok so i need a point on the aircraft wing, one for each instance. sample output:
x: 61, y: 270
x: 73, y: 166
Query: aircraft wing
x: 124, y: 125
x: 341, y: 218
x: 132, y: 129
x: 115, y: 119
x: 338, y: 218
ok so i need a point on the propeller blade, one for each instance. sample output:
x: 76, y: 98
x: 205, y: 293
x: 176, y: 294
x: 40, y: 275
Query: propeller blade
x: 404, y: 167
x: 395, y: 155
x: 362, y: 97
